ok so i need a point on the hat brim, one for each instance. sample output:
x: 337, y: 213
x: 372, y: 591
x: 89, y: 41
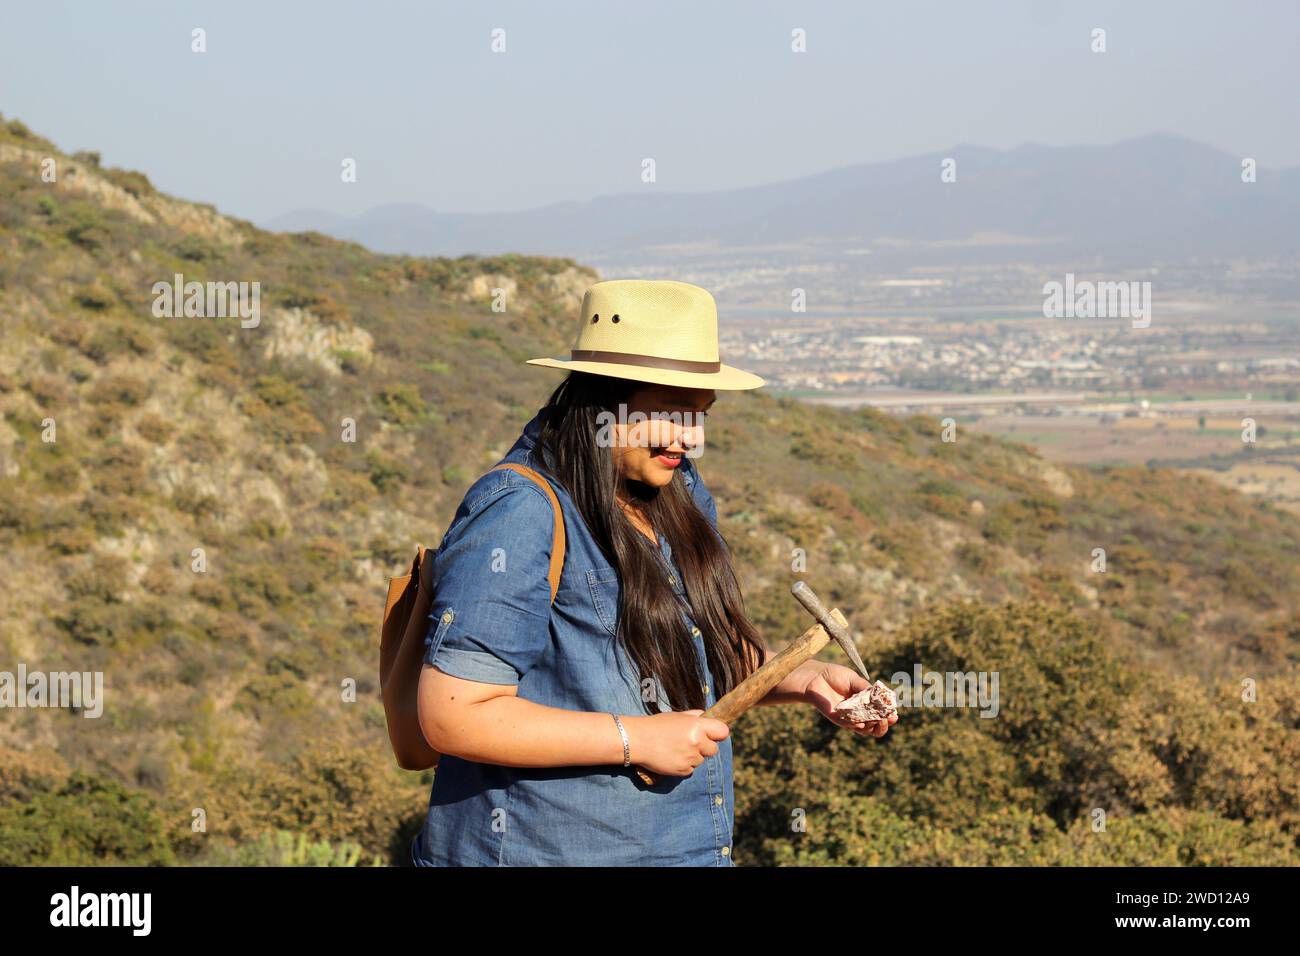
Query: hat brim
x: 728, y: 378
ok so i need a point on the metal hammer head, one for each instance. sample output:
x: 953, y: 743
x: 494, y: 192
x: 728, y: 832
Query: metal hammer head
x: 841, y: 634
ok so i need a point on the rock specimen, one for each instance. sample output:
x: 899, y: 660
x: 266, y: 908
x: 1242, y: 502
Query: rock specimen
x: 877, y: 702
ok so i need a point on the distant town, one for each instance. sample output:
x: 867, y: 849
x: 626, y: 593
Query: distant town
x: 1212, y: 383
x: 870, y: 356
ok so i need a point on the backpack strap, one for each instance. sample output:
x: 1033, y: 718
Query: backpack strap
x: 557, y: 535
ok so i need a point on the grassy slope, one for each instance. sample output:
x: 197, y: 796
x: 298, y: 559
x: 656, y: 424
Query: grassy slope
x: 185, y: 433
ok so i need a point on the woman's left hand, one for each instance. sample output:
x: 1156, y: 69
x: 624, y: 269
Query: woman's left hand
x: 830, y: 684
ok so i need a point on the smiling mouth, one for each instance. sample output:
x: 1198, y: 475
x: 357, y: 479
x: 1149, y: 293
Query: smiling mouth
x: 670, y: 459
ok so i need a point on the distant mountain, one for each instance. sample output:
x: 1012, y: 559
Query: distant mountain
x: 1158, y: 196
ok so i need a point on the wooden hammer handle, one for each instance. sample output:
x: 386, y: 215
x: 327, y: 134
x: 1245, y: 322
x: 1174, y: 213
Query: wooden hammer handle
x: 758, y: 684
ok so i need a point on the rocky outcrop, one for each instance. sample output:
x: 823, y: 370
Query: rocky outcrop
x: 85, y: 179
x: 297, y: 333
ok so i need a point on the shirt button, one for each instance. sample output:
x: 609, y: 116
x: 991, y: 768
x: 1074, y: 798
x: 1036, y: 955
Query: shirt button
x: 705, y: 688
x: 695, y: 631
x: 673, y: 581
x: 726, y: 851
x: 447, y: 617
x: 717, y: 799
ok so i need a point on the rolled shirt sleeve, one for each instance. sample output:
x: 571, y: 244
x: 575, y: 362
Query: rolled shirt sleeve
x: 490, y: 617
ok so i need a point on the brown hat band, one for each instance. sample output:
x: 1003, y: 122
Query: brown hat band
x: 647, y: 361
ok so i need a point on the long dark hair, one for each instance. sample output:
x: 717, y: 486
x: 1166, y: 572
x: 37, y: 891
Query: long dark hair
x: 650, y: 625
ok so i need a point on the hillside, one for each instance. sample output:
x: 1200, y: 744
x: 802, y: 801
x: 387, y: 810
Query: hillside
x: 225, y: 688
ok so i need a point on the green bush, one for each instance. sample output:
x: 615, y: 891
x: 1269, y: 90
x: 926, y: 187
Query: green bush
x: 455, y: 475
x: 84, y: 821
x: 400, y: 404
x: 121, y: 389
x: 386, y: 473
x: 95, y: 297
x: 137, y: 184
x: 155, y: 429
x: 281, y: 409
x: 197, y: 249
x: 282, y: 848
x: 1180, y: 779
x: 86, y: 229
x: 327, y: 791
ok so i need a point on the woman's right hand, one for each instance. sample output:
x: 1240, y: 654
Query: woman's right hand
x: 674, y: 743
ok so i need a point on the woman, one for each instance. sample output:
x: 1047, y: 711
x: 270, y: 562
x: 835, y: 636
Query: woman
x: 540, y: 709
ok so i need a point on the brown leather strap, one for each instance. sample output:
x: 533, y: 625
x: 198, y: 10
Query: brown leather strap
x: 557, y: 535
x: 644, y: 361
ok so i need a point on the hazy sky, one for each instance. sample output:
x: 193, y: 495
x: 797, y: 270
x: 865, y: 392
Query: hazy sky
x: 260, y: 123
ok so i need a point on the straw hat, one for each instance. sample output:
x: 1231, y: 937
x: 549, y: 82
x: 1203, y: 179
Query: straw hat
x: 651, y: 330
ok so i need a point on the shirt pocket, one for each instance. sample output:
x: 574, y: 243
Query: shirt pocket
x: 605, y: 590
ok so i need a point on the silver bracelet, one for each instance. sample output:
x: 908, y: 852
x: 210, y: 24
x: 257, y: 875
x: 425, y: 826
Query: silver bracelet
x: 627, y: 753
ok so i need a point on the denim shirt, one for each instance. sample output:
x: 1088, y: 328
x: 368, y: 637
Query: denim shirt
x: 491, y: 620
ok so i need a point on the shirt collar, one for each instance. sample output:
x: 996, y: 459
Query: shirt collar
x: 524, y: 451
